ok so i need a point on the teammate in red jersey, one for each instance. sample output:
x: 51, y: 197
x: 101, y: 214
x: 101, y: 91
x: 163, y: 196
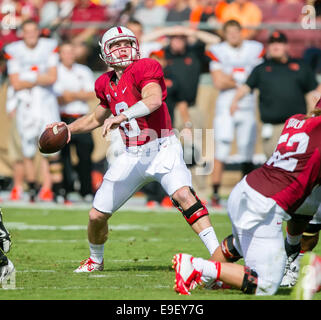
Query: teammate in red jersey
x: 134, y: 93
x: 277, y: 191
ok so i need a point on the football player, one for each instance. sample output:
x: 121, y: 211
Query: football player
x: 6, y: 266
x: 232, y: 62
x: 32, y: 69
x: 257, y: 206
x: 134, y: 93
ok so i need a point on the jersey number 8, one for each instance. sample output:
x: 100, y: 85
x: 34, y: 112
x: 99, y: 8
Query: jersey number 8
x: 131, y: 127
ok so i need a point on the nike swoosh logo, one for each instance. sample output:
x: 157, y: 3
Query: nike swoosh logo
x: 123, y: 91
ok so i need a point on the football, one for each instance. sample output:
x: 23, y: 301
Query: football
x: 53, y: 139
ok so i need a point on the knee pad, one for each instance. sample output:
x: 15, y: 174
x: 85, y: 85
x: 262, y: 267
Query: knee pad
x: 228, y: 249
x: 193, y: 213
x: 250, y: 280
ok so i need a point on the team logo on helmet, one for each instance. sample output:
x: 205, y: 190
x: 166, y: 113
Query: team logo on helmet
x: 112, y: 56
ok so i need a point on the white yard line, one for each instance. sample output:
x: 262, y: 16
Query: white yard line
x: 114, y: 260
x: 25, y: 226
x: 131, y: 207
x: 36, y: 271
x: 91, y: 287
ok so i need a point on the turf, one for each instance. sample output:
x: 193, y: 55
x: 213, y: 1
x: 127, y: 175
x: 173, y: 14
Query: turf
x: 48, y: 245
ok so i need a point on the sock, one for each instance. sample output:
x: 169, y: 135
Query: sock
x: 210, y: 270
x: 31, y: 185
x: 209, y: 238
x: 96, y: 252
x: 293, y: 240
x: 59, y: 191
x: 32, y: 191
x: 216, y: 188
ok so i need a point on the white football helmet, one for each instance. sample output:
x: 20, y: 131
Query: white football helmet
x: 113, y: 35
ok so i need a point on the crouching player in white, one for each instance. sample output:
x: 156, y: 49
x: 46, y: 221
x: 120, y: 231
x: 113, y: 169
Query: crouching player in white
x: 256, y: 207
x: 6, y: 266
x: 135, y: 94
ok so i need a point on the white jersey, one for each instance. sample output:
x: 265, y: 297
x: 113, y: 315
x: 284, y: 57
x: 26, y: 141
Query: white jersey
x: 36, y: 107
x: 146, y: 48
x: 238, y: 62
x: 22, y: 59
x: 28, y: 63
x: 79, y: 77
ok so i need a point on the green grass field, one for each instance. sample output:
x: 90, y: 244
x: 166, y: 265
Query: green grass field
x: 48, y: 245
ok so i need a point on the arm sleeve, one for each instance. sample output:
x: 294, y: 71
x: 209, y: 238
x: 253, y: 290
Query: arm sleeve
x: 58, y: 88
x: 149, y: 71
x: 215, y: 63
x: 89, y: 80
x: 13, y: 65
x: 53, y: 57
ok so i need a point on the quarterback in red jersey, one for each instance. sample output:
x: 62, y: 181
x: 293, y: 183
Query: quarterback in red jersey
x: 134, y: 93
x: 282, y: 189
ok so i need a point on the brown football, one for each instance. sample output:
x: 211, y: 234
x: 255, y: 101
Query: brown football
x: 53, y: 139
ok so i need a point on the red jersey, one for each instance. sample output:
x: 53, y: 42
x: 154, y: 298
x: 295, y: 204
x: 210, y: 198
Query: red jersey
x: 294, y: 169
x: 127, y: 92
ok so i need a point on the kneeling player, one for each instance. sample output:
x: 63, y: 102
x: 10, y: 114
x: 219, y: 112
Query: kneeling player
x: 256, y: 207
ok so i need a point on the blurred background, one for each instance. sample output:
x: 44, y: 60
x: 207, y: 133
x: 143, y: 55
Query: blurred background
x: 83, y: 23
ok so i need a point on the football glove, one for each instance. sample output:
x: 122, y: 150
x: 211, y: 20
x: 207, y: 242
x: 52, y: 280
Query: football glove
x: 5, y: 238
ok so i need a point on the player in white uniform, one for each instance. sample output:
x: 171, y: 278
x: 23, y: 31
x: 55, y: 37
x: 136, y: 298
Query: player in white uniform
x: 232, y: 61
x: 74, y: 87
x: 32, y: 69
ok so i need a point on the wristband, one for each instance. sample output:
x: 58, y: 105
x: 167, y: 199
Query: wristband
x: 137, y: 110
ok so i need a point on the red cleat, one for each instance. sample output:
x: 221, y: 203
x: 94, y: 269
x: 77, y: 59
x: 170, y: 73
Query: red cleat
x: 186, y: 277
x: 167, y: 202
x: 46, y: 195
x: 68, y: 202
x: 151, y: 204
x: 89, y: 265
x: 16, y: 194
